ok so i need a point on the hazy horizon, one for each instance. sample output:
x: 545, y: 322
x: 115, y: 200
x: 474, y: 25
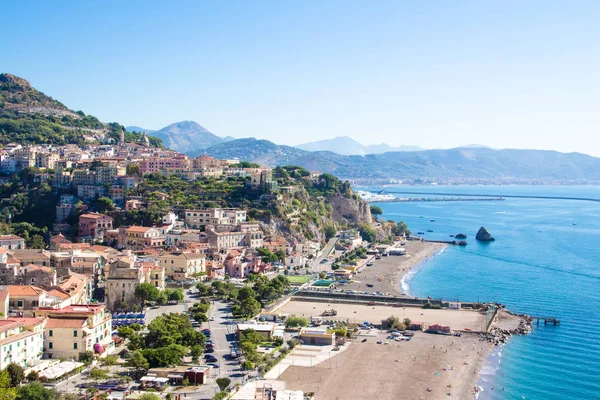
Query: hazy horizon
x: 436, y: 75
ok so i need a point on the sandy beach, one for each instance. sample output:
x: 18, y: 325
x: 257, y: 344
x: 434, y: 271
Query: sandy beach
x: 385, y: 274
x: 398, y: 370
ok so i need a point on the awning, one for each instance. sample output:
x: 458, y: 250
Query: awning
x: 175, y: 376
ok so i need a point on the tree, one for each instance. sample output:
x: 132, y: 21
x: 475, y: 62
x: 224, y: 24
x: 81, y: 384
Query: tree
x: 37, y: 242
x: 133, y: 169
x: 99, y: 374
x: 104, y: 204
x: 36, y: 391
x: 86, y: 357
x: 138, y: 362
x: 330, y: 232
x: 322, y: 275
x: 176, y: 295
x: 167, y: 356
x: 295, y: 322
x: 376, y: 210
x: 33, y: 376
x: 249, y: 307
x: 223, y: 383
x: 149, y: 396
x: 245, y: 293
x: 146, y: 292
x: 16, y: 373
x: 400, y: 229
x: 248, y: 365
x: 204, y: 290
x: 367, y: 233
x: 251, y: 336
x: 6, y: 391
x: 407, y: 322
x: 196, y: 352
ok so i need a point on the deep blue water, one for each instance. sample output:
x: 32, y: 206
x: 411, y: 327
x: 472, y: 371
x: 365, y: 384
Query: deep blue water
x: 541, y: 263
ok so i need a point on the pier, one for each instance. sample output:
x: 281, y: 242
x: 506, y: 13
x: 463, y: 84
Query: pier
x: 547, y: 320
x: 427, y: 199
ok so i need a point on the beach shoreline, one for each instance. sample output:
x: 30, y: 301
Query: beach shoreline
x: 386, y: 274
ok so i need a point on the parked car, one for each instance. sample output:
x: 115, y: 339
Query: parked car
x: 364, y: 340
x: 209, y: 350
x: 210, y: 358
x: 212, y: 319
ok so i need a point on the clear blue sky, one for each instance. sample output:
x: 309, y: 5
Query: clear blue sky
x: 519, y: 74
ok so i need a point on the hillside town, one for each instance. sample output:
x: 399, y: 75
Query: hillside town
x: 71, y: 295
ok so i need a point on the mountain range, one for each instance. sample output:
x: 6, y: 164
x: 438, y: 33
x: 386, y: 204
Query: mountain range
x: 345, y: 145
x: 29, y: 116
x: 460, y: 164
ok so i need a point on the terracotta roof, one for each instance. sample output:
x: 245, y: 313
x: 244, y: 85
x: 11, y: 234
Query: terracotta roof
x: 141, y: 229
x: 3, y: 295
x: 16, y: 291
x: 33, y: 267
x: 57, y: 293
x: 75, y: 309
x: 10, y: 237
x: 70, y: 246
x: 28, y: 321
x: 92, y: 216
x: 57, y: 323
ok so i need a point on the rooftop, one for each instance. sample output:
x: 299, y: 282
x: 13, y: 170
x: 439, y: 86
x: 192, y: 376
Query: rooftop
x: 54, y: 323
x: 16, y: 291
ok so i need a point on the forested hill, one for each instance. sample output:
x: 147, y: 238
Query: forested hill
x: 460, y: 164
x: 28, y: 116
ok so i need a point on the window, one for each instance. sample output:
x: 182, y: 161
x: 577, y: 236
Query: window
x: 50, y: 345
x: 19, y: 303
x: 75, y: 346
x: 74, y: 333
x: 50, y: 333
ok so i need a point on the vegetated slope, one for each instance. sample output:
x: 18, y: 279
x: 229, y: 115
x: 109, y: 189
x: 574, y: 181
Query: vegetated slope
x: 28, y: 116
x: 187, y: 136
x: 460, y: 163
x: 134, y: 128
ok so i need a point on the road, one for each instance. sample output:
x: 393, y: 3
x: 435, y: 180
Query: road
x: 316, y: 265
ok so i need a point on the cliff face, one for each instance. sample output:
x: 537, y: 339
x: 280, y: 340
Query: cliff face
x: 350, y: 211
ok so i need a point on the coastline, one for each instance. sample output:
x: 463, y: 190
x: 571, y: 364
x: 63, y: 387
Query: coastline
x: 420, y: 256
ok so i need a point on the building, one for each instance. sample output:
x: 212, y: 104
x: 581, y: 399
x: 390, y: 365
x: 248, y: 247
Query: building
x: 295, y: 260
x: 214, y: 216
x: 154, y: 274
x: 12, y: 273
x: 25, y: 299
x: 139, y: 237
x: 317, y: 336
x: 93, y: 226
x: 122, y: 278
x: 228, y: 240
x: 265, y: 330
x: 180, y: 266
x: 37, y: 257
x: 73, y: 330
x: 11, y: 242
x: 21, y: 341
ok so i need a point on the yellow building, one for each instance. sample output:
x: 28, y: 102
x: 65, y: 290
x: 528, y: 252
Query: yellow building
x: 180, y: 265
x: 317, y: 336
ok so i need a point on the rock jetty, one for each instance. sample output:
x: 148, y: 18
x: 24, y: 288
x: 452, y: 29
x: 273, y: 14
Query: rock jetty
x: 484, y: 236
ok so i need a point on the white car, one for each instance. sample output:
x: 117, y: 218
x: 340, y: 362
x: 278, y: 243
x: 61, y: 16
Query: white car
x: 212, y: 318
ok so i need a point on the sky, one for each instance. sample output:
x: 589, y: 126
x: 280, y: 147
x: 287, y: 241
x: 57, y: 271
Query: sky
x: 436, y: 74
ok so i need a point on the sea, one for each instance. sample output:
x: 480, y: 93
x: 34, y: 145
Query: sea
x: 545, y: 261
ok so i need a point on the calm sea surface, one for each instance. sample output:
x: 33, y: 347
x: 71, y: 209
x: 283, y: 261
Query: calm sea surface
x: 545, y: 261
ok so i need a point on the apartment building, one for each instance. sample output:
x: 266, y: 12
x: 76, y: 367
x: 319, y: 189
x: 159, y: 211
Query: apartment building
x: 93, y: 226
x: 180, y: 266
x: 73, y: 330
x: 21, y: 341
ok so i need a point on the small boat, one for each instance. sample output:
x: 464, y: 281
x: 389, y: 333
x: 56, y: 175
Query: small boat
x: 429, y: 230
x: 420, y: 216
x: 420, y: 233
x: 574, y: 223
x: 432, y: 220
x: 451, y: 235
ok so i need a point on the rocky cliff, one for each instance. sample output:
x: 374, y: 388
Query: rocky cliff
x: 484, y: 236
x: 350, y: 211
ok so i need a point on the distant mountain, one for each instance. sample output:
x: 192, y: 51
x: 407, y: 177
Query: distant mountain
x: 187, y: 137
x: 453, y: 164
x: 345, y: 145
x: 139, y: 129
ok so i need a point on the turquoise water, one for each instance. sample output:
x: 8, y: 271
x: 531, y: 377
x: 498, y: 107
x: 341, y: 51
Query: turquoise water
x: 545, y: 261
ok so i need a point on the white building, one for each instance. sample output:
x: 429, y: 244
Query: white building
x: 21, y: 341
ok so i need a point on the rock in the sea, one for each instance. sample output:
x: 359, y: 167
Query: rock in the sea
x: 483, y: 235
x: 461, y: 236
x: 462, y: 243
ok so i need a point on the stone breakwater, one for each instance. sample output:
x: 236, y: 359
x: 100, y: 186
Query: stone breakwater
x: 507, y: 325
